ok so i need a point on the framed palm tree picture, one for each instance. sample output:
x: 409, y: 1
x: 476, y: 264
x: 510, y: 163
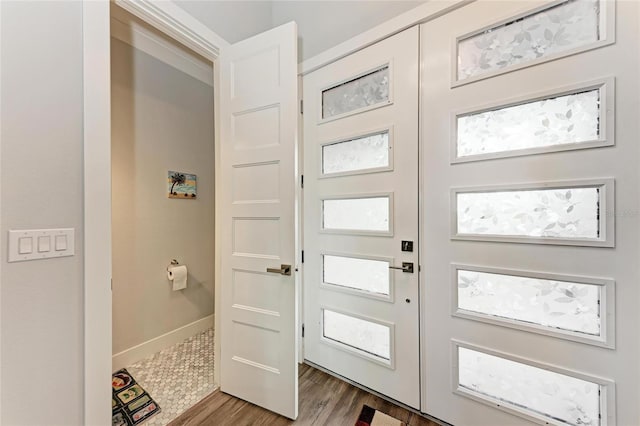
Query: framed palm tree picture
x: 181, y: 185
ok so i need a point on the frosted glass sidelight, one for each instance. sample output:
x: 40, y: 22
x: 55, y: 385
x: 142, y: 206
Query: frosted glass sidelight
x: 367, y: 336
x: 356, y: 214
x: 367, y: 152
x: 360, y: 274
x: 361, y: 92
x: 553, y: 395
x: 555, y: 304
x: 560, y: 28
x: 549, y: 122
x: 548, y: 213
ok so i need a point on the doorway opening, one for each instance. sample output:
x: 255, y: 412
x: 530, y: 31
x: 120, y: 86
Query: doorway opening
x: 259, y: 140
x: 163, y: 220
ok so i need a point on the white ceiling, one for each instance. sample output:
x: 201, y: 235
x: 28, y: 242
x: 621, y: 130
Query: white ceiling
x: 321, y: 24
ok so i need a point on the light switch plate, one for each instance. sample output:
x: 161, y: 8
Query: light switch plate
x: 37, y: 236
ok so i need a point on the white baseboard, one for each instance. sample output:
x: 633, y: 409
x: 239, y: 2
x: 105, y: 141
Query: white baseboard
x: 150, y: 347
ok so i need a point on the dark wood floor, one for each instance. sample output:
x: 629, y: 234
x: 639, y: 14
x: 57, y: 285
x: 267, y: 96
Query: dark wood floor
x: 324, y: 400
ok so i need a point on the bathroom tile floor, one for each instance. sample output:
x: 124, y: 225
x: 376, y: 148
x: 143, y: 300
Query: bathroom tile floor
x: 177, y: 377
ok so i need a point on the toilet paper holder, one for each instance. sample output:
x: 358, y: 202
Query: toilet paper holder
x: 173, y: 263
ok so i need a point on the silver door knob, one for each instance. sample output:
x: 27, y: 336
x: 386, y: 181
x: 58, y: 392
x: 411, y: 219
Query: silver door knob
x: 406, y: 267
x: 283, y: 270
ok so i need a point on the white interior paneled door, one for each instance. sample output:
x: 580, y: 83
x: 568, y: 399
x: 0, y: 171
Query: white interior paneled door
x: 530, y: 253
x: 259, y: 299
x: 360, y: 204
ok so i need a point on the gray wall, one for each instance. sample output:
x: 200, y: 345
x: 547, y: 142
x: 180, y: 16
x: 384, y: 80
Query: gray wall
x: 41, y: 187
x: 324, y: 24
x: 162, y: 119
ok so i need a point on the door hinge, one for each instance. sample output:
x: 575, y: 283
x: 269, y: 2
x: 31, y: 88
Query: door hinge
x: 302, y: 330
x: 301, y: 106
x: 302, y: 256
x: 301, y: 181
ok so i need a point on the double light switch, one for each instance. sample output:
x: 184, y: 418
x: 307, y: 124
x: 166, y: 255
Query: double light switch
x: 40, y: 244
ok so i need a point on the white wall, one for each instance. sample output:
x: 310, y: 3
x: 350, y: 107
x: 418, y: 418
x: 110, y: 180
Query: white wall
x: 42, y: 175
x: 162, y: 119
x: 324, y: 24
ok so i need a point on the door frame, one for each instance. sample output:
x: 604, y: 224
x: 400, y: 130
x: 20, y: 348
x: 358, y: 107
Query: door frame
x: 399, y: 118
x: 413, y: 17
x: 184, y: 28
x: 0, y: 216
x: 173, y: 21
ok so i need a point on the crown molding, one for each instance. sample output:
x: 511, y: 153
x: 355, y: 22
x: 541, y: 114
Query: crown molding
x: 172, y: 20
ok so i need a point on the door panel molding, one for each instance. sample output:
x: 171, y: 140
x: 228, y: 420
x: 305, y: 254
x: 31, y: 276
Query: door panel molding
x: 605, y: 214
x: 607, y: 314
x: 336, y: 287
x: 606, y: 120
x: 359, y: 196
x: 606, y: 29
x: 353, y: 136
x: 607, y: 392
x: 351, y: 78
x: 354, y: 350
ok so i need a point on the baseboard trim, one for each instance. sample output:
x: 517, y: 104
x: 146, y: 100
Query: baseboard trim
x: 145, y: 349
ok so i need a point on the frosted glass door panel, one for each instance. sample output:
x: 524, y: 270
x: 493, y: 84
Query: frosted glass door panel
x: 567, y: 26
x: 553, y: 395
x: 555, y: 304
x: 362, y: 92
x: 356, y: 214
x: 571, y: 213
x: 366, y: 275
x: 359, y: 154
x: 366, y: 336
x: 357, y: 133
x: 549, y: 122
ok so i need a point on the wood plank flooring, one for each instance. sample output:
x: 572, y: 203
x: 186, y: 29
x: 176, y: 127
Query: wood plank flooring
x: 324, y: 400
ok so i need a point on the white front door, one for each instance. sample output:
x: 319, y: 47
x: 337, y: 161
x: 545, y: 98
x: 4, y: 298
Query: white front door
x: 258, y: 155
x: 360, y: 205
x: 530, y: 254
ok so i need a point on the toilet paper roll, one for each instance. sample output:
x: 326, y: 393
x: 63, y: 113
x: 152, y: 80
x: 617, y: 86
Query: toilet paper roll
x: 178, y: 274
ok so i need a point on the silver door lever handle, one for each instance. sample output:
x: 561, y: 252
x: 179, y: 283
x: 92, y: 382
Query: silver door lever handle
x: 406, y: 267
x: 283, y: 270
